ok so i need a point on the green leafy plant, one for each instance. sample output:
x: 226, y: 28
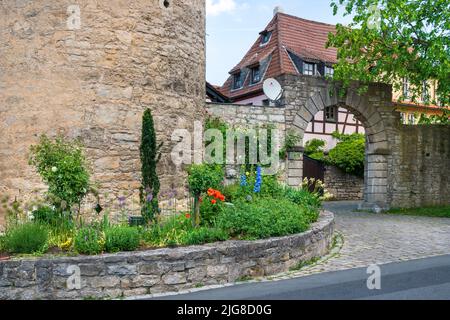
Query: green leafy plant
x: 150, y: 156
x: 291, y: 140
x: 218, y: 124
x: 121, y: 238
x: 348, y: 155
x: 204, y: 235
x: 263, y: 218
x: 26, y: 238
x: 200, y: 179
x: 310, y: 202
x: 62, y: 165
x: 314, y: 149
x: 89, y: 240
x: 443, y: 119
x: 170, y: 232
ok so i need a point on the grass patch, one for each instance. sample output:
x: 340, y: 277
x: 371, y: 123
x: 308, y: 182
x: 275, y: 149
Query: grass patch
x: 244, y: 279
x: 439, y: 211
x: 303, y: 264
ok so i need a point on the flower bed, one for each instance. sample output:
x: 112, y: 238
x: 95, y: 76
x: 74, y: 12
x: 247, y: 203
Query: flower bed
x: 162, y: 270
x: 258, y: 207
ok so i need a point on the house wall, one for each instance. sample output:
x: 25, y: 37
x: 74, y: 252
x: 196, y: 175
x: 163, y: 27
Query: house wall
x: 95, y: 81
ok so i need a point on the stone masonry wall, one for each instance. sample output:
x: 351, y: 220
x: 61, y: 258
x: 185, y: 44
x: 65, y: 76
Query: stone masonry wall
x: 94, y: 82
x: 420, y: 170
x: 342, y: 185
x: 164, y: 270
x: 250, y: 117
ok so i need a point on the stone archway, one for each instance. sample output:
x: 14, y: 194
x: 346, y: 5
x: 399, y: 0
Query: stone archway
x: 305, y: 96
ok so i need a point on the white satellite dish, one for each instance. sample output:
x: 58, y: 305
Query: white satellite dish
x: 272, y: 89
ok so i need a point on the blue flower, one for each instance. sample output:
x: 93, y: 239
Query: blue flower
x: 258, y: 181
x: 243, y: 180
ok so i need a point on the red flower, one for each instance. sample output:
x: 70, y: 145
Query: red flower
x: 213, y: 201
x: 211, y: 192
x: 222, y: 197
x: 188, y: 215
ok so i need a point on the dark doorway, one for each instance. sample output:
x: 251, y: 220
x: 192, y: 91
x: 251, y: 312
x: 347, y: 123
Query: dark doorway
x: 313, y: 168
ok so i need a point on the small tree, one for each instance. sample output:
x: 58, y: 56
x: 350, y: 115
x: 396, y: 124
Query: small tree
x: 201, y: 178
x: 150, y: 156
x: 63, y: 167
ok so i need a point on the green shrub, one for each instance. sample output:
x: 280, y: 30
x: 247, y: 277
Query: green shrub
x: 303, y: 198
x: 88, y: 240
x: 204, y: 235
x: 119, y: 238
x: 45, y: 214
x: 201, y: 178
x: 232, y: 192
x: 263, y: 218
x: 26, y: 238
x: 348, y: 155
x: 168, y: 233
x: 314, y: 149
x: 63, y: 167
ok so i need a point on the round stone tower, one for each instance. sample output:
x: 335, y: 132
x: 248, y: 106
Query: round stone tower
x: 88, y: 69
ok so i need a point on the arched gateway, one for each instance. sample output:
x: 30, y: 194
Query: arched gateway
x: 305, y: 96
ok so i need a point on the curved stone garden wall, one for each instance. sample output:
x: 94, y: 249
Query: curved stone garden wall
x: 162, y: 270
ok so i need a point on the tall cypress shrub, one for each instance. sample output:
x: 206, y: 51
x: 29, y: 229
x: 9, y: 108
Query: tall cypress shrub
x: 150, y: 156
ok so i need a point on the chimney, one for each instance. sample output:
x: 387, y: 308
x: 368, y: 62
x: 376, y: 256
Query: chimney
x: 278, y: 9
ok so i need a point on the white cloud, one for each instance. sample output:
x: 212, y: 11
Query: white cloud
x: 216, y: 7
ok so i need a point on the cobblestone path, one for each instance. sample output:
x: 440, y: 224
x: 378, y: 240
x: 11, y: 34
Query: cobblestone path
x: 381, y: 238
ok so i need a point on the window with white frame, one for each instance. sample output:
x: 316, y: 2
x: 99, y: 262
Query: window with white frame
x: 405, y: 88
x: 309, y: 69
x: 411, y: 118
x: 402, y: 117
x: 329, y: 71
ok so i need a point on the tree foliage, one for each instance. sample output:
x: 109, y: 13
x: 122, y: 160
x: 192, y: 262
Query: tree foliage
x: 150, y: 157
x: 389, y: 40
x: 63, y: 167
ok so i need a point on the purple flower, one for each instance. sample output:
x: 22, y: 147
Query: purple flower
x: 122, y: 201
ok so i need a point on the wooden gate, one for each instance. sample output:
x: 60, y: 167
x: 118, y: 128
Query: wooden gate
x: 313, y: 168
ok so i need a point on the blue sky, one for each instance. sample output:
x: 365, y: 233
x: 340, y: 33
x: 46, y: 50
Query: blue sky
x: 232, y: 26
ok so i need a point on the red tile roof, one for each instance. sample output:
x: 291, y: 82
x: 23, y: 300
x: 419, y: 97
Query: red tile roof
x: 302, y: 37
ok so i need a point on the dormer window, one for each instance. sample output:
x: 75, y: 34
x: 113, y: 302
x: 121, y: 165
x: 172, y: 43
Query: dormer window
x: 309, y: 69
x: 237, y: 81
x: 256, y: 74
x: 265, y: 37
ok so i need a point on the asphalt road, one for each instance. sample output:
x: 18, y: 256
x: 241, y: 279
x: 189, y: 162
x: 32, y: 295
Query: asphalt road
x: 417, y: 279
